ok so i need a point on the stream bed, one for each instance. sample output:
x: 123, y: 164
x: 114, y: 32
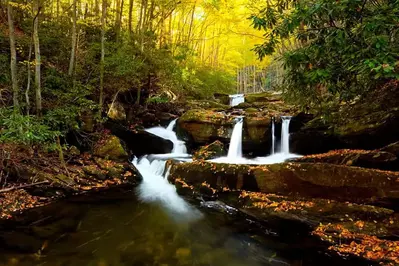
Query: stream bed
x: 132, y: 232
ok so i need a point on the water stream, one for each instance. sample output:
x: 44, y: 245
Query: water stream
x: 236, y: 99
x: 155, y: 226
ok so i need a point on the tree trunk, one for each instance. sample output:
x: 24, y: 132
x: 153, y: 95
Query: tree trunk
x: 131, y: 3
x: 118, y: 18
x: 191, y: 25
x: 73, y: 49
x: 104, y: 14
x: 38, y: 89
x: 13, y: 63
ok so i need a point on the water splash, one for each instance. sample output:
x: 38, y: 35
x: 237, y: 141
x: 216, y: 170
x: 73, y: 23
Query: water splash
x: 236, y: 99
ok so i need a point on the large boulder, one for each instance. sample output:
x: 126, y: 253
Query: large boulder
x: 140, y: 142
x: 110, y: 147
x: 309, y: 180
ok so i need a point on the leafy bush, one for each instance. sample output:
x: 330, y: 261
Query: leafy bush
x: 22, y: 129
x: 342, y: 49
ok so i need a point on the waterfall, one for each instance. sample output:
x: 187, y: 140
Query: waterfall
x: 171, y: 125
x: 273, y: 137
x: 155, y: 186
x: 235, y: 148
x: 236, y: 99
x: 285, y: 134
x: 179, y: 146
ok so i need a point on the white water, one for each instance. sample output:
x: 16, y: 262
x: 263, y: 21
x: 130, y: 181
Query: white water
x: 285, y: 134
x: 273, y: 138
x: 235, y: 148
x: 179, y: 146
x: 155, y: 186
x: 236, y: 99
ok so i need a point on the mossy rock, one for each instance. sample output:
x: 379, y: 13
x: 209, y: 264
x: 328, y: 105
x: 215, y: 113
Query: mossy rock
x: 207, y: 104
x: 110, y: 147
x: 243, y: 105
x: 211, y: 151
x: 251, y: 110
x: 262, y: 97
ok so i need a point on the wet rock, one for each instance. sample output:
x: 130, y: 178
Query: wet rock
x: 110, y: 147
x: 211, y: 151
x: 361, y: 158
x: 116, y: 111
x: 140, y: 142
x: 309, y: 180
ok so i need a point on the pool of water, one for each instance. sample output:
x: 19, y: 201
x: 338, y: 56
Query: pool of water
x: 131, y: 232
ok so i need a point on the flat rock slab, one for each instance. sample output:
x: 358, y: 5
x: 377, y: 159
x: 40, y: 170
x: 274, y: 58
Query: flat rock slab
x: 309, y: 180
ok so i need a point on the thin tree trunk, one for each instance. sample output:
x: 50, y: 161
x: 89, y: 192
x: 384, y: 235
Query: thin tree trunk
x: 73, y: 49
x: 118, y: 18
x: 131, y: 3
x: 38, y: 89
x: 13, y: 63
x: 29, y: 80
x: 58, y: 9
x: 191, y: 25
x: 96, y: 8
x: 104, y: 14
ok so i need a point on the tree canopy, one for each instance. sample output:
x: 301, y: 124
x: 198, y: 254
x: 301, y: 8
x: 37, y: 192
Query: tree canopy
x: 330, y: 49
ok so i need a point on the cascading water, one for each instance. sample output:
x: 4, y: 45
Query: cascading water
x: 236, y: 99
x: 285, y: 134
x: 235, y: 148
x: 179, y: 146
x: 155, y: 186
x: 273, y: 137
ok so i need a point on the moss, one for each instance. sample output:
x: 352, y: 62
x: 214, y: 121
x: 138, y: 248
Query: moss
x: 251, y: 110
x: 110, y: 147
x: 213, y: 150
x: 260, y: 97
